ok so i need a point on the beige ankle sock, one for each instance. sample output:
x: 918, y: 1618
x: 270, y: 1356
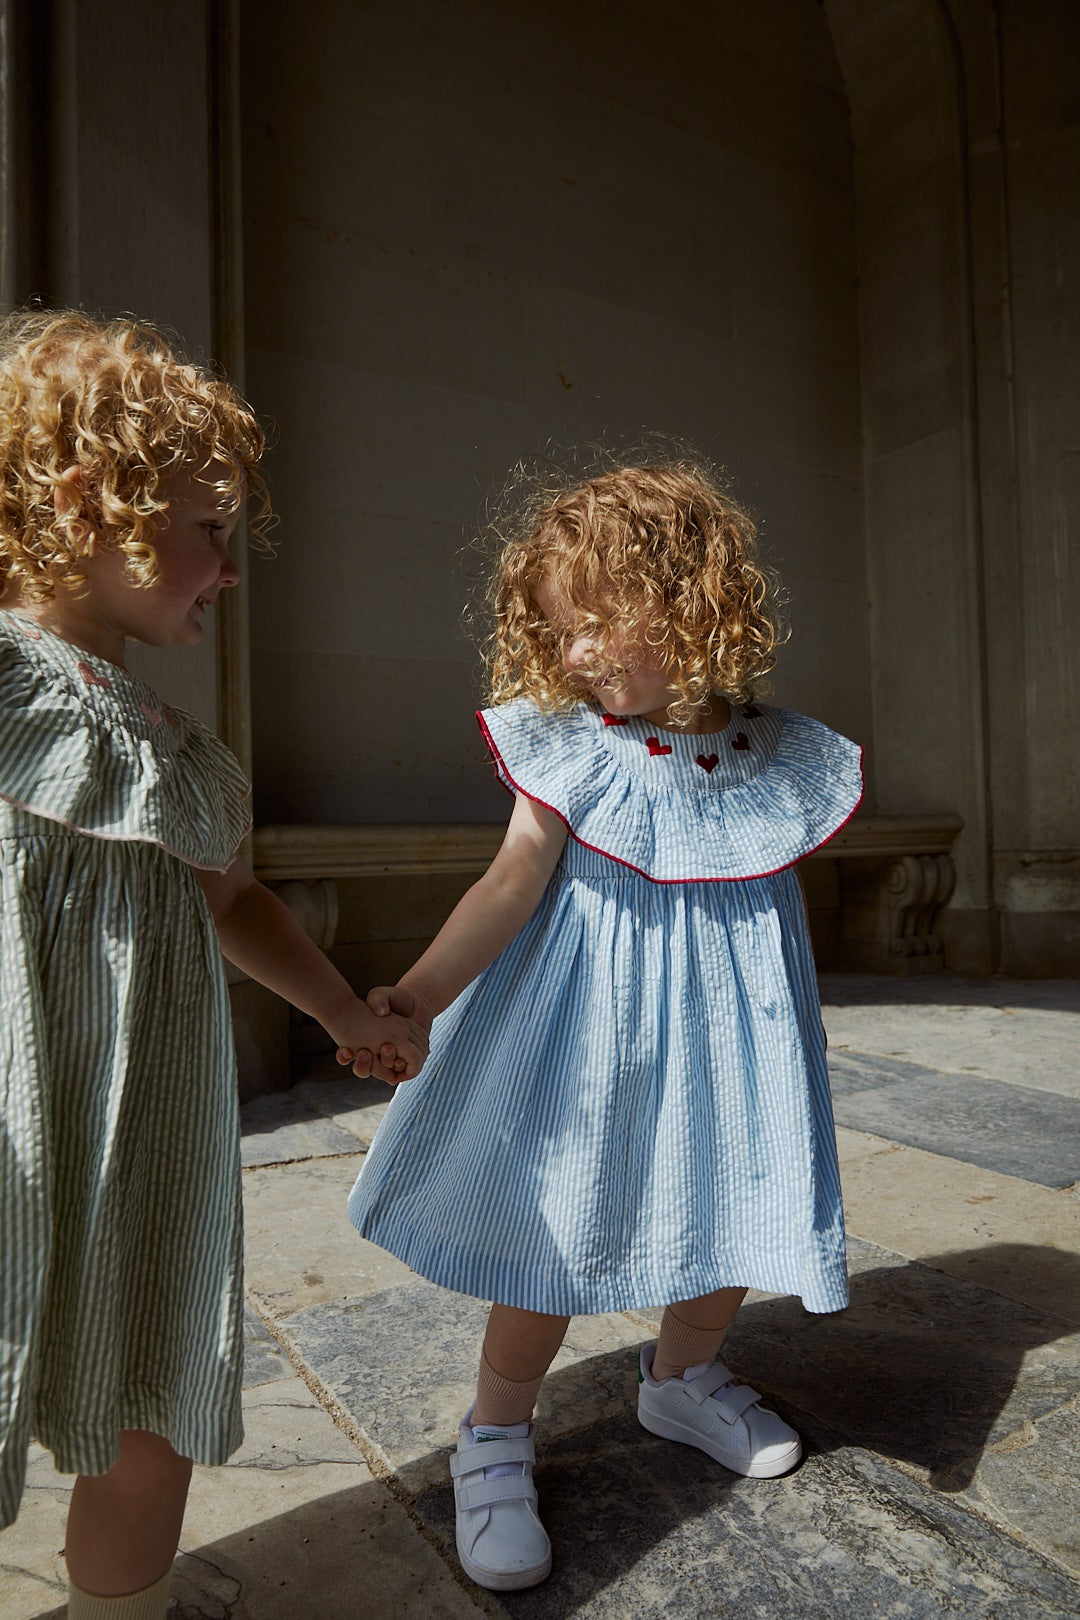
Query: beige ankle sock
x: 680, y: 1345
x: 149, y: 1604
x: 501, y: 1400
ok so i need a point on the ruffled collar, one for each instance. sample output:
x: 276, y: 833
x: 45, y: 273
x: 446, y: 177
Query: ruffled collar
x: 85, y: 743
x: 739, y: 803
x: 708, y: 762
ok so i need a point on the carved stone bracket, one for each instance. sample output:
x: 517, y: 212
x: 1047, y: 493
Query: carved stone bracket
x: 889, y: 911
x: 918, y: 887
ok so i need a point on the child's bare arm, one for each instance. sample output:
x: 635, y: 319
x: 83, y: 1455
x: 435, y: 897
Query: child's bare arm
x: 262, y: 937
x: 484, y: 921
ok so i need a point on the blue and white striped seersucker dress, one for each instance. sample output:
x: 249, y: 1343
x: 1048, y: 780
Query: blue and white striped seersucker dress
x: 630, y: 1106
x: 121, y: 1290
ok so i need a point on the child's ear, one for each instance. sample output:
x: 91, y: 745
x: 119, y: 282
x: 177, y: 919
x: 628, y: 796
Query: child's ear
x: 69, y: 501
x: 68, y: 492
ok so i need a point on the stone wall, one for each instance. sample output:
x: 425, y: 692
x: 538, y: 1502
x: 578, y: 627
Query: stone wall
x: 834, y: 245
x: 966, y: 153
x: 473, y: 229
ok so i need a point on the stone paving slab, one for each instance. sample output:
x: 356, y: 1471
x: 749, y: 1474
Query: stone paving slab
x: 264, y: 1360
x: 1023, y: 1031
x: 403, y: 1366
x: 933, y: 1373
x: 1013, y: 1237
x: 1033, y: 1486
x: 357, y: 1106
x: 306, y: 1519
x: 299, y: 1249
x: 1013, y: 1130
x: 644, y: 1528
x: 280, y: 1128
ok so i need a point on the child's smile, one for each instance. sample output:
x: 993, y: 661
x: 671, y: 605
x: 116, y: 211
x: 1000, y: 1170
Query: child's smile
x: 191, y: 544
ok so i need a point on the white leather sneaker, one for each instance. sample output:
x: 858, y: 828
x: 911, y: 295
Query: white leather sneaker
x: 723, y: 1418
x: 500, y: 1540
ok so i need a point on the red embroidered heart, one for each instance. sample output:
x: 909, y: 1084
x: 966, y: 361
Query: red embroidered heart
x: 153, y: 715
x: 91, y: 678
x: 655, y: 747
x: 708, y: 762
x: 741, y: 740
x: 615, y: 720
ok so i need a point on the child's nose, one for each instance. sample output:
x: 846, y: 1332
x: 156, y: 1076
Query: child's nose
x: 230, y: 573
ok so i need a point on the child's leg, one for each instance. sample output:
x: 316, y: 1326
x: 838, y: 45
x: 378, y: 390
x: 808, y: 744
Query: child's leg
x: 686, y: 1395
x: 693, y: 1330
x: 124, y: 1526
x: 500, y: 1540
x: 519, y: 1347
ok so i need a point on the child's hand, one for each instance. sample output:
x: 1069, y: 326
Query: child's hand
x: 400, y: 998
x: 392, y: 1049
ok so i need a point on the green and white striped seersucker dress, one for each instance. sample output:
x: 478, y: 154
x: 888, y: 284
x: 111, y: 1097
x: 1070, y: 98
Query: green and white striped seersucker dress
x: 120, y: 1227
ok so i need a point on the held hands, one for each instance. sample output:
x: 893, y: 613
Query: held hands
x: 393, y: 1051
x: 383, y: 1052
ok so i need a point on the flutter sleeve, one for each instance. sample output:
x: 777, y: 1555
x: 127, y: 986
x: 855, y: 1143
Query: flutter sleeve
x: 85, y: 744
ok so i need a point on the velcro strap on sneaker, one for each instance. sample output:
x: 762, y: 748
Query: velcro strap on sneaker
x: 486, y: 1492
x: 733, y: 1402
x: 490, y: 1453
x: 713, y: 1378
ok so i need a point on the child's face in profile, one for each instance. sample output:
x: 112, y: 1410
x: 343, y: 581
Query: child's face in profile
x: 624, y: 675
x: 192, y: 547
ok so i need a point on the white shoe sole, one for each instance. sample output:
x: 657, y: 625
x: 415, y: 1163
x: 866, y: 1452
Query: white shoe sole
x: 668, y: 1429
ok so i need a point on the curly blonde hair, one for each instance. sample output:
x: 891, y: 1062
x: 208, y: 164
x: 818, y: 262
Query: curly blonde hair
x: 659, y: 551
x: 116, y: 400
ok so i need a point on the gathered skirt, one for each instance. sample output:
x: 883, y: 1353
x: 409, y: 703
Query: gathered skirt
x: 121, y: 1291
x: 629, y: 1107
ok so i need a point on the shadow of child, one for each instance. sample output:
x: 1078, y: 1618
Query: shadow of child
x: 925, y: 1365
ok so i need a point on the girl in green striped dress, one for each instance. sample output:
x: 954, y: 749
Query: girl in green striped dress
x: 122, y: 473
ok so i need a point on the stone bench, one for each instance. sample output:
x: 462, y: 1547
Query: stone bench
x: 893, y: 874
x: 892, y: 877
x: 374, y: 895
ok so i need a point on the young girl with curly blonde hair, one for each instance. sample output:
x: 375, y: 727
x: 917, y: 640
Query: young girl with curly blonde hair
x: 626, y: 1102
x: 122, y: 472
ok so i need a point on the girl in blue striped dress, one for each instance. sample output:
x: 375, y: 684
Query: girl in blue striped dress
x: 122, y: 471
x: 626, y: 1102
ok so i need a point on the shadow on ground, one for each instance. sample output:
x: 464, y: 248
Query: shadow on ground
x: 922, y: 1369
x: 948, y: 990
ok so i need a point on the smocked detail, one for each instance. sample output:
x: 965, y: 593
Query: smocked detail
x: 86, y: 744
x: 739, y: 803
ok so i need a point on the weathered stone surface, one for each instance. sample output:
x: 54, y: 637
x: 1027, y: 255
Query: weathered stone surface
x: 280, y: 1128
x: 295, y: 1526
x: 1030, y: 1483
x: 33, y: 1575
x: 264, y: 1360
x: 1023, y: 1031
x: 921, y: 1367
x: 912, y: 1202
x: 646, y: 1528
x: 299, y: 1249
x: 355, y: 1105
x: 403, y: 1365
x: 1013, y: 1130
